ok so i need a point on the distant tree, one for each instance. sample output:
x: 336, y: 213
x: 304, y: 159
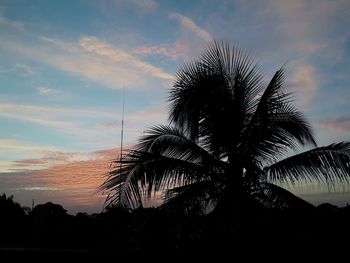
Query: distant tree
x: 9, y: 209
x: 49, y: 210
x: 228, y: 145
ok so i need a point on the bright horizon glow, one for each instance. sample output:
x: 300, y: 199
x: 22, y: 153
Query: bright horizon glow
x: 64, y: 65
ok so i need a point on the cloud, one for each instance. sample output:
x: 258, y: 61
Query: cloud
x: 52, y: 93
x: 46, y: 91
x: 111, y: 125
x: 42, y: 157
x: 21, y: 69
x: 11, y: 23
x: 52, y: 117
x: 72, y: 183
x: 191, y: 26
x: 51, y: 158
x: 80, y: 124
x: 305, y: 83
x: 153, y: 115
x: 117, y: 55
x: 11, y: 149
x: 144, y: 5
x: 38, y: 120
x: 339, y: 125
x: 36, y: 188
x: 9, y: 145
x: 86, y: 126
x: 25, y: 69
x: 316, y: 26
x: 92, y: 113
x: 93, y: 59
x: 180, y: 50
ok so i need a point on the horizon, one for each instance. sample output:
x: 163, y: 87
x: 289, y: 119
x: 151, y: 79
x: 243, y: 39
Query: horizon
x: 65, y: 65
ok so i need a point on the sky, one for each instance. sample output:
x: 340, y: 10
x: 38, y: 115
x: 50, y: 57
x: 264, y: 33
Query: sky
x: 65, y: 65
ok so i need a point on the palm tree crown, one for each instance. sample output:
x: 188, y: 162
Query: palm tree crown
x: 228, y: 141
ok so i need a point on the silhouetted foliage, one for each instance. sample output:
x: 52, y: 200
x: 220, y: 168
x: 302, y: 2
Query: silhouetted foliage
x: 9, y: 208
x: 141, y: 233
x: 48, y: 210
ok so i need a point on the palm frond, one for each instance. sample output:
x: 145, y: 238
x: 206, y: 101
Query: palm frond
x: 272, y: 195
x: 172, y: 141
x: 219, y: 86
x: 195, y: 198
x: 276, y: 126
x: 163, y: 159
x: 329, y: 164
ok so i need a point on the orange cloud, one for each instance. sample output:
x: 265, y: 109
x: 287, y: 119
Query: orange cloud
x: 71, y: 184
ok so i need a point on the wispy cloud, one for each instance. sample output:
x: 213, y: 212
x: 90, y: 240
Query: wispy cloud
x: 50, y: 116
x: 151, y: 114
x: 47, y: 91
x: 43, y: 157
x: 34, y: 114
x: 10, y: 145
x: 10, y: 149
x: 85, y: 125
x: 25, y: 69
x: 305, y: 83
x: 339, y: 125
x: 92, y: 113
x: 80, y: 124
x: 11, y: 23
x: 117, y: 55
x: 93, y: 59
x: 20, y: 69
x: 179, y: 50
x: 52, y: 93
x: 316, y: 26
x: 188, y: 23
x: 54, y: 158
x: 144, y: 5
x: 111, y: 125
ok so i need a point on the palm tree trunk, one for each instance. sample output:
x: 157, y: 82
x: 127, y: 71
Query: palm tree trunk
x: 229, y: 208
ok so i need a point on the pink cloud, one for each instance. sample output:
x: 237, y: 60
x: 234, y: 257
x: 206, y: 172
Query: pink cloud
x: 155, y: 115
x: 340, y: 125
x: 305, y: 83
x: 51, y: 158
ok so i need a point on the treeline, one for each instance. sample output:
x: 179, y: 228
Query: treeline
x: 47, y: 229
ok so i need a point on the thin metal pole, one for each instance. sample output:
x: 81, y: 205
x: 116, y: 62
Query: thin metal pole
x: 121, y: 140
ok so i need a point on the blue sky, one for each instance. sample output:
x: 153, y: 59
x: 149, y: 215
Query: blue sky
x: 64, y: 65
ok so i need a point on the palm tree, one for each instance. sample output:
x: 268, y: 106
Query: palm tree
x: 228, y: 143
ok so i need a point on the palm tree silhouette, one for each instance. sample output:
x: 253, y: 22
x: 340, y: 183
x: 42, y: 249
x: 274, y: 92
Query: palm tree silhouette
x: 228, y: 144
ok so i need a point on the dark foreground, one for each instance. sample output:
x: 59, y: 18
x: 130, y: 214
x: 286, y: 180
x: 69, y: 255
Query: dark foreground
x: 151, y: 234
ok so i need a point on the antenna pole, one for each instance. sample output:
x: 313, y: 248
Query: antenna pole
x: 121, y: 139
x: 122, y: 132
